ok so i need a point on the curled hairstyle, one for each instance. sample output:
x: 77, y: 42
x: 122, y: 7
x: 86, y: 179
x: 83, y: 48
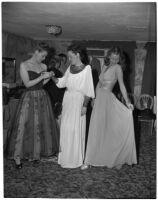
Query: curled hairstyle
x: 51, y: 65
x: 42, y: 46
x: 53, y: 62
x: 63, y: 56
x: 117, y: 51
x: 82, y: 52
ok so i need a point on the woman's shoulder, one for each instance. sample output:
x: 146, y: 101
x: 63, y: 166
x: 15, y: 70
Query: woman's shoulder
x: 88, y: 67
x: 118, y: 67
x: 24, y: 65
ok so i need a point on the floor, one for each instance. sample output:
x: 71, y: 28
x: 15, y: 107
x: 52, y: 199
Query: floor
x: 49, y: 180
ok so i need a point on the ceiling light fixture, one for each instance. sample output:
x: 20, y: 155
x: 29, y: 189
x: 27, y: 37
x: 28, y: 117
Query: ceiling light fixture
x: 54, y: 30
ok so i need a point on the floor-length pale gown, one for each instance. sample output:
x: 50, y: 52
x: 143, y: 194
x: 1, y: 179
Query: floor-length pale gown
x: 73, y: 125
x: 111, y: 140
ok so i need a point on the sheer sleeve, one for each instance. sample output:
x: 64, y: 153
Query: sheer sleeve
x: 63, y: 80
x: 88, y: 87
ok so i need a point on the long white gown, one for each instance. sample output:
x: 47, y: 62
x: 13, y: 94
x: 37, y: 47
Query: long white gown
x: 73, y: 125
x: 111, y: 140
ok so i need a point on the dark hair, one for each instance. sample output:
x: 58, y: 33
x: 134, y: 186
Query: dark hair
x: 51, y: 54
x: 81, y: 50
x: 42, y: 46
x: 62, y: 55
x: 115, y: 50
x: 51, y: 65
x: 53, y: 62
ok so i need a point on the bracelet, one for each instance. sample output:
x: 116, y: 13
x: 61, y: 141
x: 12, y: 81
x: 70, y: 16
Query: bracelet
x: 86, y: 101
x: 55, y: 79
x: 84, y: 106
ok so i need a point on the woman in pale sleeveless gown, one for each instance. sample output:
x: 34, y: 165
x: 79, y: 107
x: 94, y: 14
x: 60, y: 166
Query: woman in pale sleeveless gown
x: 111, y: 140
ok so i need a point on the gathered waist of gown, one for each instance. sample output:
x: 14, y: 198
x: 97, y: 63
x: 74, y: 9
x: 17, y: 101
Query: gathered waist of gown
x: 73, y: 90
x: 34, y: 88
x: 106, y: 89
x: 107, y: 85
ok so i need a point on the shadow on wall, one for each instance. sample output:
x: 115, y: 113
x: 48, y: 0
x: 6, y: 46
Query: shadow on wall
x: 127, y: 72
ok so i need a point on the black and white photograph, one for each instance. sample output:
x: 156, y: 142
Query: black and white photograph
x: 79, y: 99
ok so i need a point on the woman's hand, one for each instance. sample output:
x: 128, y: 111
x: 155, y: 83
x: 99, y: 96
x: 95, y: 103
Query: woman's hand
x: 83, y: 111
x: 51, y: 74
x: 54, y: 79
x: 46, y: 75
x: 130, y: 106
x: 92, y: 102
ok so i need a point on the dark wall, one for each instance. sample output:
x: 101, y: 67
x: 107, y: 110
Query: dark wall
x: 18, y: 47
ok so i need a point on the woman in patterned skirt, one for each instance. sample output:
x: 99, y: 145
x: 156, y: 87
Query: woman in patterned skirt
x: 34, y: 132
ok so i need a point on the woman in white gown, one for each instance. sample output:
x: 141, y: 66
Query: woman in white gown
x: 79, y: 84
x: 111, y: 140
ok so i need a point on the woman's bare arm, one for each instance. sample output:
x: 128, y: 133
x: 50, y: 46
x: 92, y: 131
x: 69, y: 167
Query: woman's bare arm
x: 122, y: 86
x: 25, y: 76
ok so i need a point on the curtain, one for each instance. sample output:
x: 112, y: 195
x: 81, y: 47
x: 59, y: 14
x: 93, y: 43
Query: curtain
x: 149, y: 75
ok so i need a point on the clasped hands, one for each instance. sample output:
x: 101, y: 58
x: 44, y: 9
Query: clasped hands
x: 47, y: 75
x: 83, y: 110
x: 130, y: 106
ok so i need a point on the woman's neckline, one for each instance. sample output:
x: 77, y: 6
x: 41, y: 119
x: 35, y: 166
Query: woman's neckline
x: 107, y: 68
x: 77, y: 70
x: 35, y: 71
x: 35, y: 64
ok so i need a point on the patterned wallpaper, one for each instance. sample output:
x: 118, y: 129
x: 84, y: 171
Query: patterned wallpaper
x: 140, y: 56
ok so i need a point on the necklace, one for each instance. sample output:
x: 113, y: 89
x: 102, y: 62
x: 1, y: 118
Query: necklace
x: 76, y: 69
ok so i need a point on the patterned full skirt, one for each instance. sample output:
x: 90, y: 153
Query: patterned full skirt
x: 34, y: 132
